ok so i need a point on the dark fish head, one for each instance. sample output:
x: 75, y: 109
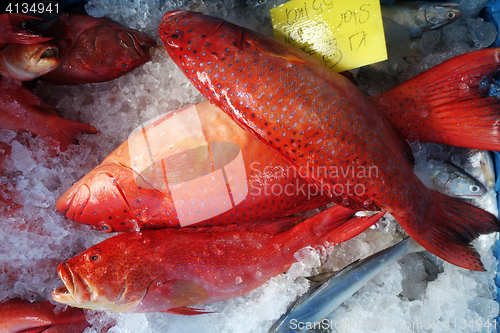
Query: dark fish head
x: 98, y: 50
x: 117, y: 50
x: 191, y: 38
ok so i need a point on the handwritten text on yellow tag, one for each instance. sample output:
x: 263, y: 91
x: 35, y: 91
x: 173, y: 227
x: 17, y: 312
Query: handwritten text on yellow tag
x: 341, y: 34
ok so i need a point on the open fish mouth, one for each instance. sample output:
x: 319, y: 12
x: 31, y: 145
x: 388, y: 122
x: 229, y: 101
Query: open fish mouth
x: 75, y: 291
x: 49, y: 52
x: 44, y: 60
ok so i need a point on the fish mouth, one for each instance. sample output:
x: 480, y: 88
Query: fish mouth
x: 44, y: 59
x: 139, y: 43
x: 75, y: 291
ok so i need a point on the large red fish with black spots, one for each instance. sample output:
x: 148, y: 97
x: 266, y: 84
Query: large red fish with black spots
x: 321, y: 123
x: 170, y: 269
x: 95, y: 49
x: 192, y: 167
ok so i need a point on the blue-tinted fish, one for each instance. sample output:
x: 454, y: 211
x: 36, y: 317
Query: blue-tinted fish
x: 420, y: 16
x: 455, y: 182
x: 322, y: 300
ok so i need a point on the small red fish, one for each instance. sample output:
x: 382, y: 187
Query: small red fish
x: 194, y: 166
x: 21, y: 110
x: 11, y: 30
x: 20, y: 315
x: 26, y: 62
x: 320, y: 122
x: 95, y: 50
x: 167, y: 270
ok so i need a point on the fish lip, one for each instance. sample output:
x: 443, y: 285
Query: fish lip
x: 142, y: 45
x: 47, y: 57
x: 64, y: 294
x: 70, y: 292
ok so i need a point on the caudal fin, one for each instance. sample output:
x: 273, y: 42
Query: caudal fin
x: 449, y: 103
x: 447, y: 229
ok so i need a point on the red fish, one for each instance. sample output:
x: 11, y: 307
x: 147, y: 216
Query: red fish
x: 27, y: 62
x: 11, y: 30
x: 192, y: 167
x: 170, y: 269
x: 320, y: 122
x: 21, y: 110
x: 95, y: 50
x: 19, y: 315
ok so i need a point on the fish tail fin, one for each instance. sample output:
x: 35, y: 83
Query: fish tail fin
x: 449, y: 103
x: 447, y: 229
x: 338, y: 224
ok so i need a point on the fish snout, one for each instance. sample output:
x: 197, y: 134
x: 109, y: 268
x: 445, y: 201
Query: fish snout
x: 74, y: 291
x: 74, y: 201
x: 139, y: 44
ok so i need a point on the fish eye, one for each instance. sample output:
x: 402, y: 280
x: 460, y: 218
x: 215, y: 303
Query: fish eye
x: 93, y: 257
x: 450, y: 15
x: 106, y: 227
x: 123, y: 65
x: 474, y: 188
x: 174, y: 38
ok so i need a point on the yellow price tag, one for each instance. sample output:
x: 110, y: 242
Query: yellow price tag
x: 341, y: 34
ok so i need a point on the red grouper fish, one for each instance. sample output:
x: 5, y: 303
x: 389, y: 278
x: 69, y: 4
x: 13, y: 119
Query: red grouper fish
x: 95, y: 49
x: 169, y: 269
x: 194, y: 166
x: 21, y: 110
x: 323, y: 125
x: 20, y: 315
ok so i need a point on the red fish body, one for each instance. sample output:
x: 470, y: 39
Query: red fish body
x: 19, y: 315
x: 321, y: 123
x: 21, y: 110
x: 95, y: 50
x: 167, y: 270
x: 192, y: 167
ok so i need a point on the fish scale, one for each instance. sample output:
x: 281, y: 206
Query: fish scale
x: 323, y: 125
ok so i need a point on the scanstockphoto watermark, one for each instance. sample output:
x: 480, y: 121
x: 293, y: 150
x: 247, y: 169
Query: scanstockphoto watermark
x: 348, y: 180
x: 357, y: 324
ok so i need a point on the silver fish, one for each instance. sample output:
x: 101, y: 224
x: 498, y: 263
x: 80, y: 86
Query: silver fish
x: 320, y: 301
x: 456, y: 182
x: 419, y: 16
